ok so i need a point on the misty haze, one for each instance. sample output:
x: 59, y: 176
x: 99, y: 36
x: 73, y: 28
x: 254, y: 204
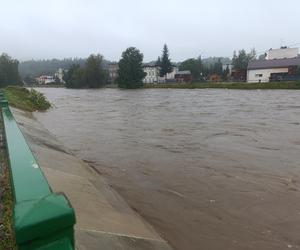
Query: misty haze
x: 160, y: 125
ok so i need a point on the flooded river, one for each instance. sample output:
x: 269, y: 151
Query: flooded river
x: 209, y: 169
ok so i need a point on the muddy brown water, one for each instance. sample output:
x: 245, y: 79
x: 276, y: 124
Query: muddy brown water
x: 209, y: 169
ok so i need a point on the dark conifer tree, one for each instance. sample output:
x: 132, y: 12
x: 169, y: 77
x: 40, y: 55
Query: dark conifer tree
x: 165, y: 64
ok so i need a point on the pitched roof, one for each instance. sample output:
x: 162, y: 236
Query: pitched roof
x: 275, y: 63
x: 184, y: 72
x: 150, y: 64
x: 154, y: 64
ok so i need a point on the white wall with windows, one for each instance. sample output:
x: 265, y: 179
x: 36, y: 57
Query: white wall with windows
x: 152, y: 74
x: 171, y: 75
x: 263, y: 75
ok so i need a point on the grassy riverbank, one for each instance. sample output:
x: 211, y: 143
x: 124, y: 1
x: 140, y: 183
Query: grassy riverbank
x: 29, y: 100
x: 225, y: 85
x: 6, y: 204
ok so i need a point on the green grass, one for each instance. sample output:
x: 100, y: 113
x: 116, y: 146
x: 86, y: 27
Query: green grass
x: 7, y: 241
x: 225, y: 85
x: 28, y: 100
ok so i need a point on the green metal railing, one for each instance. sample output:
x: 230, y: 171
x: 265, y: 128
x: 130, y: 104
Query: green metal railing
x: 41, y: 219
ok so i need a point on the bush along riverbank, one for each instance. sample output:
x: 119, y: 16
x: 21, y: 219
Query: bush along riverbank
x: 7, y: 241
x: 28, y: 100
x: 225, y: 85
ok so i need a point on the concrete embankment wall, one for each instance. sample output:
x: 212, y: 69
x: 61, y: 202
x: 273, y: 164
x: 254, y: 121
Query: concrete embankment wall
x: 104, y: 220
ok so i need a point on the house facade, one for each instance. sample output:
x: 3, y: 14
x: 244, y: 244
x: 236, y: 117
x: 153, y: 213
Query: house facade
x: 280, y: 65
x: 44, y: 79
x: 183, y: 76
x: 152, y: 71
x: 59, y: 75
x: 170, y: 77
x: 113, y: 72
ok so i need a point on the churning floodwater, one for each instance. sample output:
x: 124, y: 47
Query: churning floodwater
x: 209, y: 168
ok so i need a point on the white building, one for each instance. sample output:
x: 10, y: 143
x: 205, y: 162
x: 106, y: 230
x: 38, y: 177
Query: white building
x: 280, y: 64
x: 170, y: 77
x: 153, y: 74
x: 283, y: 52
x: 60, y: 74
x: 44, y: 79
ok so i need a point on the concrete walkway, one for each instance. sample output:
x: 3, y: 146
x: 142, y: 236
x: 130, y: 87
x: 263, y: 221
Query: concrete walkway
x: 104, y: 220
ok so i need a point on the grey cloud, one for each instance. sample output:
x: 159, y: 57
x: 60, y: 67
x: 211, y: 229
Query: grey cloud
x: 76, y: 28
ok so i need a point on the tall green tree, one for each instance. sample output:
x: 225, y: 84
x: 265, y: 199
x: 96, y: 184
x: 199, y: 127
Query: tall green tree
x: 91, y: 75
x: 71, y: 77
x: 95, y: 75
x: 131, y: 73
x: 240, y: 61
x: 194, y: 65
x: 165, y: 63
x: 9, y: 72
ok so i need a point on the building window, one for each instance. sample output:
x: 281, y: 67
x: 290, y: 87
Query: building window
x: 258, y: 75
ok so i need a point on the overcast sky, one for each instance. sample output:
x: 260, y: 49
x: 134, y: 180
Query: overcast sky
x: 41, y: 29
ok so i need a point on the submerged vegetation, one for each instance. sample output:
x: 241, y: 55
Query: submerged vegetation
x: 225, y: 85
x: 29, y: 100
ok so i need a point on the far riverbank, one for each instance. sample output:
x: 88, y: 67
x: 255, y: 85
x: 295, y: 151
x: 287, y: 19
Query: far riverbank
x: 228, y: 85
x: 204, y: 85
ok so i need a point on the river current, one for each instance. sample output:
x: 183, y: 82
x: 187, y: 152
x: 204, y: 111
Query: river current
x: 208, y: 168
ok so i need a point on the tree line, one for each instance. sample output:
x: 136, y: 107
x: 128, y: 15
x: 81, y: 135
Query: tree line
x: 9, y: 72
x: 35, y: 68
x: 90, y: 75
x: 201, y: 70
x: 92, y: 72
x: 131, y: 74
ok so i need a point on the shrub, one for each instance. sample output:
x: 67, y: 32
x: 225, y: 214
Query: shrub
x: 38, y: 99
